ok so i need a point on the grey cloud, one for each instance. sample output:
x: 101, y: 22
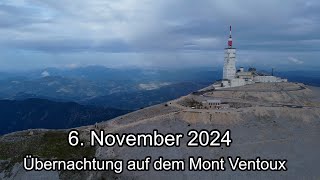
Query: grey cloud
x: 71, y: 45
x: 159, y: 26
x: 295, y: 60
x: 157, y: 32
x: 12, y: 17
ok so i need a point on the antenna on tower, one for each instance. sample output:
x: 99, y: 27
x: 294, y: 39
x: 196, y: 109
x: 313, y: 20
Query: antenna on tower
x: 230, y: 39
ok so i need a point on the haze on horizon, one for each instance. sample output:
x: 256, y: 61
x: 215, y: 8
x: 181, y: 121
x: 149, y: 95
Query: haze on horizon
x: 145, y: 33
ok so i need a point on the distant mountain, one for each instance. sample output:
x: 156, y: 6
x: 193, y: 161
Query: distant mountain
x: 108, y: 87
x: 40, y: 113
x: 103, y: 74
x: 90, y: 83
x: 55, y: 87
x: 143, y: 98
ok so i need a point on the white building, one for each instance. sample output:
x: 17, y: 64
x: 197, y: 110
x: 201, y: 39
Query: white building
x: 233, y: 78
x: 266, y: 79
x: 229, y: 66
x: 247, y: 75
x: 211, y: 104
x: 237, y: 82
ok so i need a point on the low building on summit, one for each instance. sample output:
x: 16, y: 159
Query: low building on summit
x: 266, y: 79
x: 237, y: 82
x: 242, y: 74
x: 211, y: 104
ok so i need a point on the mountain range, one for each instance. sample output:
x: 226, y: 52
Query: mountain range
x: 17, y: 115
x: 96, y: 93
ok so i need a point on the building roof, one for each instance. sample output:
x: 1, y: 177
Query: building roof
x: 213, y: 101
x: 244, y: 73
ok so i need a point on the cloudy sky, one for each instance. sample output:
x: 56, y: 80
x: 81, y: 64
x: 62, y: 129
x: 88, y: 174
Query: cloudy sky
x: 157, y: 33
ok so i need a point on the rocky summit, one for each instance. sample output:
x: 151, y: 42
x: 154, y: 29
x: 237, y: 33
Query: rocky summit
x: 276, y: 123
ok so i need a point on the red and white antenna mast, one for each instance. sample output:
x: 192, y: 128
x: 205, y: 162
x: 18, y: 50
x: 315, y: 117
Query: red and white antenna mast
x: 230, y: 40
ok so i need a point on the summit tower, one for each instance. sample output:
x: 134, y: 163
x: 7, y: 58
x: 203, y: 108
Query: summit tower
x: 229, y: 67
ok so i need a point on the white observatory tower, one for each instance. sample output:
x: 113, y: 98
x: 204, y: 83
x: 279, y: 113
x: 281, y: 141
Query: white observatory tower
x: 229, y: 67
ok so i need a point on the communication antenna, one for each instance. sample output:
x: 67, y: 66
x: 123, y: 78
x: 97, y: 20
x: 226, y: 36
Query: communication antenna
x: 230, y: 39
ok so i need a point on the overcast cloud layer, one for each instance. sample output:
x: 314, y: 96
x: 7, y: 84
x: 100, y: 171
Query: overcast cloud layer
x: 166, y: 33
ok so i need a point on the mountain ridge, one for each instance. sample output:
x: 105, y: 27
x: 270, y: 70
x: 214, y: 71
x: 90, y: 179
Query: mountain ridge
x: 282, y: 122
x: 35, y: 113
